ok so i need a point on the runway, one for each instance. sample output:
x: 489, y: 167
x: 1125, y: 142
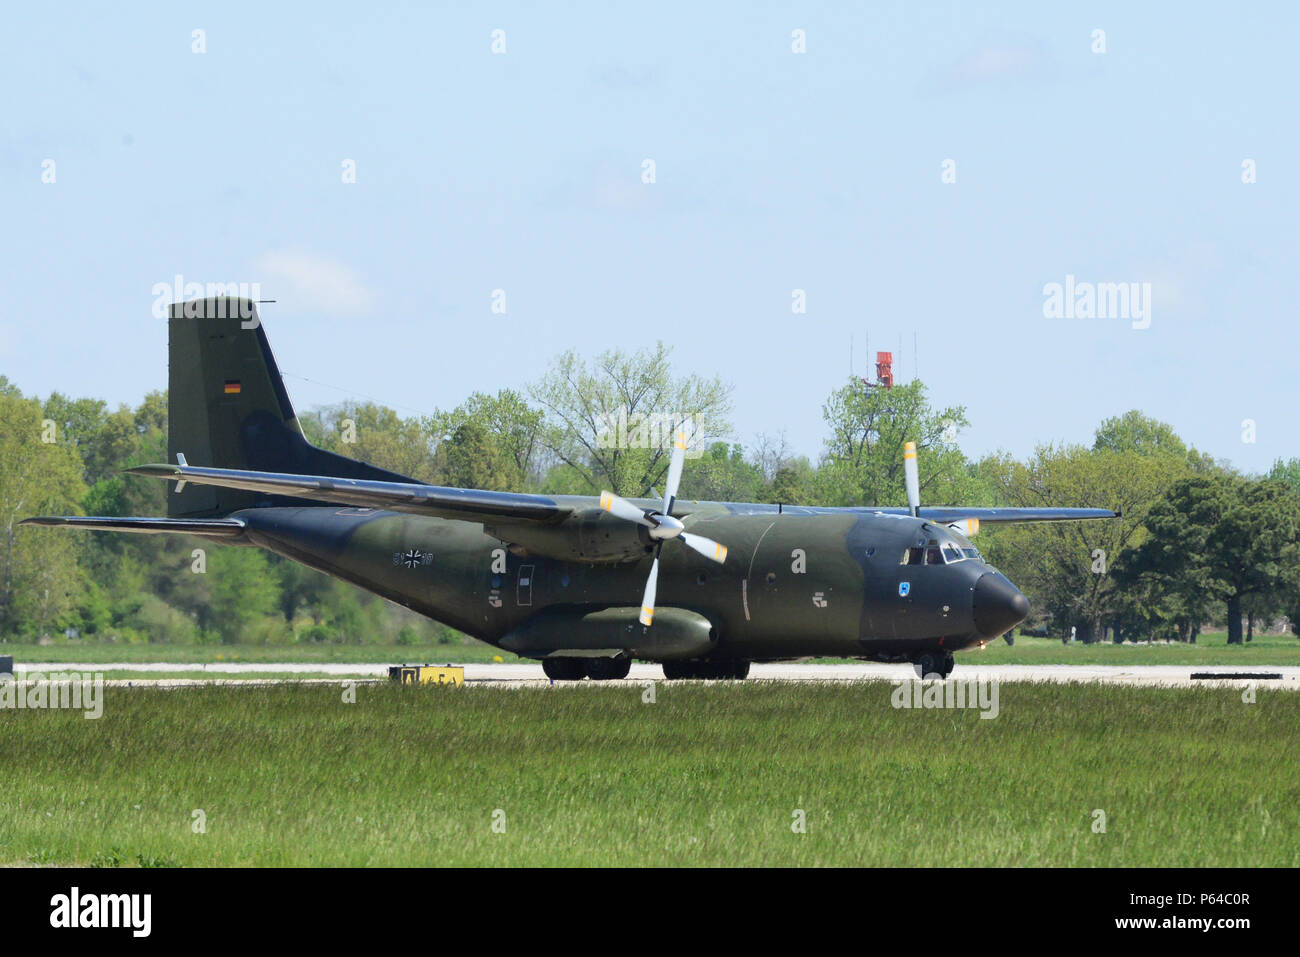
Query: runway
x: 530, y: 675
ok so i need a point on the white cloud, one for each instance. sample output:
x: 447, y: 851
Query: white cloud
x: 1009, y: 63
x: 990, y: 63
x: 302, y: 280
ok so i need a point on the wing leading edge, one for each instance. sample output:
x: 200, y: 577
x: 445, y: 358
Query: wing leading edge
x: 484, y: 507
x: 467, y: 505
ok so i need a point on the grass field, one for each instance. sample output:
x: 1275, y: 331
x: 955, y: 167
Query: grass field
x: 706, y: 774
x: 1210, y: 649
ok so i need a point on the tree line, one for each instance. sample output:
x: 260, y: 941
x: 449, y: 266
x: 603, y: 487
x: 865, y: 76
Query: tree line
x: 1198, y: 543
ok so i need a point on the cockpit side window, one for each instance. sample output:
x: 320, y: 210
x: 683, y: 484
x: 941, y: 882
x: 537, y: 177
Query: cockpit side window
x: 932, y: 556
x: 913, y: 556
x: 951, y: 553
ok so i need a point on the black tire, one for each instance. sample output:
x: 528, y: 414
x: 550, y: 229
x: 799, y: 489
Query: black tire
x: 678, y: 670
x: 740, y: 669
x: 928, y: 665
x: 608, y: 669
x: 564, y: 669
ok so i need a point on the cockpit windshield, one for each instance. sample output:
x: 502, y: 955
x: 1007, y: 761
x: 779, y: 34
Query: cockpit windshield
x: 940, y: 547
x: 963, y: 544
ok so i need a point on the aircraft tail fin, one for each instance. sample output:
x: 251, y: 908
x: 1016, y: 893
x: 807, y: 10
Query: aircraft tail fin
x: 227, y: 408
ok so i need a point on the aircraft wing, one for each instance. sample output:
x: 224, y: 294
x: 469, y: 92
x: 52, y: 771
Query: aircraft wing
x: 994, y: 516
x: 210, y: 527
x: 467, y: 505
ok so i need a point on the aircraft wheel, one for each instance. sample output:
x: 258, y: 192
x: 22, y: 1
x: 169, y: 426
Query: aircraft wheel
x: 564, y: 669
x: 608, y: 669
x: 949, y: 663
x: 677, y: 670
x: 735, y: 669
x: 930, y: 665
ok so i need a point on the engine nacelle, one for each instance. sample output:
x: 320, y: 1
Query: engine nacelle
x: 592, y: 535
x: 677, y: 633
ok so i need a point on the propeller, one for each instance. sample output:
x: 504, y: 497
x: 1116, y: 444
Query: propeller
x: 662, y: 526
x: 912, y: 479
x: 967, y: 526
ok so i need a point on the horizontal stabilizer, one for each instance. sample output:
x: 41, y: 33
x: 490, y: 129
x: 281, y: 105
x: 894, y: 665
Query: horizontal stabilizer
x: 211, y: 527
x: 467, y: 505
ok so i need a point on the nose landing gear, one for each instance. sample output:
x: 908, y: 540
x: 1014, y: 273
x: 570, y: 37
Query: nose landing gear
x: 934, y: 664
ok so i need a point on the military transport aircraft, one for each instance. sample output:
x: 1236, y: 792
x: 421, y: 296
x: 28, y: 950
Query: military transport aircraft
x: 584, y: 584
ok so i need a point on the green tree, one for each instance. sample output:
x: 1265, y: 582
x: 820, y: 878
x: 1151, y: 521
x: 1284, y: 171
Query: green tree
x: 1065, y: 568
x: 102, y: 439
x: 1138, y: 433
x: 245, y: 588
x: 1288, y: 472
x: 489, y: 442
x: 1222, y: 536
x: 38, y: 569
x: 721, y: 474
x: 863, y: 460
x: 375, y: 434
x: 471, y: 457
x: 610, y: 424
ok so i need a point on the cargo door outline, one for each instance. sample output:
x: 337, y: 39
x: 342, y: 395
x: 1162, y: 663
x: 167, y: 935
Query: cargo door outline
x: 524, y: 590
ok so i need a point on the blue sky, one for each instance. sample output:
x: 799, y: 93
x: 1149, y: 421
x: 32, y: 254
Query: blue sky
x: 775, y: 171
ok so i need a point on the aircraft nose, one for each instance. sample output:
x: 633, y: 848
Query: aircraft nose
x: 998, y: 606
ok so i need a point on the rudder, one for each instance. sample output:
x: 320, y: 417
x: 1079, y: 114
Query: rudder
x: 227, y: 408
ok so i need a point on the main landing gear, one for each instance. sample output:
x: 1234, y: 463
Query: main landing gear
x: 608, y: 669
x: 736, y: 669
x: 934, y: 664
x: 575, y: 669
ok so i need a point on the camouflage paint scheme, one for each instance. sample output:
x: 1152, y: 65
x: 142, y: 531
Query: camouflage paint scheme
x: 557, y: 576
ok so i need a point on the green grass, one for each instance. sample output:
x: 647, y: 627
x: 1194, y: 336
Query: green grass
x: 708, y: 774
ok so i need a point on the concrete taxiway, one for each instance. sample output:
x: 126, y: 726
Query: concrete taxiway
x: 523, y: 675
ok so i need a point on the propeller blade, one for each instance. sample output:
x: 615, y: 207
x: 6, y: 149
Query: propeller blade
x: 705, y: 546
x: 674, y: 471
x: 648, y: 599
x: 912, y: 478
x: 624, y: 509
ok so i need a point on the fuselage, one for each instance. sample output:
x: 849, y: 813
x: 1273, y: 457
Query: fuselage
x: 796, y: 582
